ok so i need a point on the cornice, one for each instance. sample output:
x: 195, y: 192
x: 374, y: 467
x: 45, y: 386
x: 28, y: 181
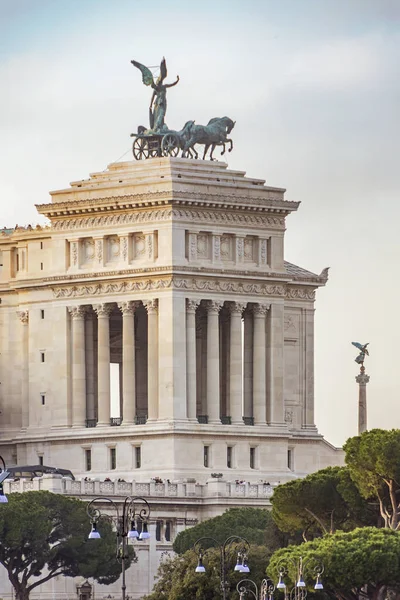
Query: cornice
x: 270, y: 201
x: 172, y: 214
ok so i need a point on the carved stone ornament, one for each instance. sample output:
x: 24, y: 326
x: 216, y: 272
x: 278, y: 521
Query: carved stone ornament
x: 103, y: 310
x: 124, y: 243
x: 263, y: 251
x: 260, y: 310
x: 248, y: 249
x: 289, y: 323
x: 150, y: 246
x: 99, y: 250
x: 192, y: 246
x: 214, y: 306
x: 226, y: 247
x: 78, y: 312
x: 23, y: 316
x: 288, y: 415
x: 151, y: 305
x: 239, y: 248
x: 300, y: 293
x: 113, y: 247
x: 191, y: 305
x: 128, y: 308
x: 140, y: 244
x: 217, y: 247
x: 74, y: 253
x: 236, y: 308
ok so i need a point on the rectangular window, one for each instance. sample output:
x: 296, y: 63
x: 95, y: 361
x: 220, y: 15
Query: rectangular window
x: 17, y: 256
x: 158, y: 531
x: 41, y: 266
x: 88, y: 460
x: 41, y: 245
x: 252, y: 458
x: 113, y: 458
x: 43, y: 399
x: 42, y: 313
x: 206, y: 456
x: 138, y: 457
x: 40, y: 459
x: 229, y: 452
x: 42, y: 357
x: 290, y: 459
x: 168, y: 531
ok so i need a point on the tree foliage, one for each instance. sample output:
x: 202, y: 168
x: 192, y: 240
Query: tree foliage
x: 364, y: 562
x: 254, y: 524
x: 321, y: 503
x: 177, y: 579
x: 43, y: 535
x: 373, y: 459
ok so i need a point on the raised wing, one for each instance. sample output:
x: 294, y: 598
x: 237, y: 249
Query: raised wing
x: 358, y: 345
x: 147, y: 75
x: 163, y: 71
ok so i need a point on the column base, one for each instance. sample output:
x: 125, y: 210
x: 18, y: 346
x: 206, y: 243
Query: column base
x: 214, y: 421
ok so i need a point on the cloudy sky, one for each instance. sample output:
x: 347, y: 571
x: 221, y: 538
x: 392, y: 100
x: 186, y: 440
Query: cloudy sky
x: 314, y: 88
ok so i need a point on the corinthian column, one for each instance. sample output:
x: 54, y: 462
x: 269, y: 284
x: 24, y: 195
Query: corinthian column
x: 259, y: 364
x: 78, y: 366
x: 128, y: 362
x: 24, y: 318
x: 236, y: 363
x: 213, y: 391
x: 152, y: 358
x: 191, y: 306
x: 103, y: 362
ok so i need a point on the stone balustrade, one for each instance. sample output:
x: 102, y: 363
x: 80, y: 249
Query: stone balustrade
x: 187, y: 489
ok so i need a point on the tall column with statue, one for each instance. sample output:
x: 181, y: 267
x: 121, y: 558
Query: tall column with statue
x: 362, y: 379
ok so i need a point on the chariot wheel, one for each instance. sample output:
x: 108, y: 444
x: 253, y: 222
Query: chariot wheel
x: 140, y: 149
x: 170, y: 145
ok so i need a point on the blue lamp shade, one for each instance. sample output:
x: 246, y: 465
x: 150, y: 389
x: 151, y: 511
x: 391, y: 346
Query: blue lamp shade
x: 94, y: 534
x: 144, y: 535
x: 245, y: 568
x: 300, y: 583
x: 238, y: 566
x: 3, y: 497
x: 132, y: 533
x: 281, y: 584
x: 318, y: 584
x: 200, y: 567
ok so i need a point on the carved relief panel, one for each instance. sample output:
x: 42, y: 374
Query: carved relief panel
x: 226, y: 247
x: 113, y: 248
x: 87, y: 252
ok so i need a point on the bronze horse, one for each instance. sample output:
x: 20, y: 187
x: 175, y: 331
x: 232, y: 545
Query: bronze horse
x: 215, y: 133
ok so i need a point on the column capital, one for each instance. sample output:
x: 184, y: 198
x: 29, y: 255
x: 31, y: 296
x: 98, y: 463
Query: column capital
x: 191, y: 305
x: 103, y: 310
x: 151, y: 305
x: 237, y: 307
x: 362, y: 379
x: 260, y: 310
x: 23, y: 316
x: 128, y: 308
x: 214, y: 306
x: 77, y: 312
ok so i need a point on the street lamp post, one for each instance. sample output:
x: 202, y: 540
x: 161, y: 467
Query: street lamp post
x: 248, y: 586
x: 299, y: 592
x: 125, y: 525
x: 241, y: 562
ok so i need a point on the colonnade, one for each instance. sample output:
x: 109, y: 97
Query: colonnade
x: 237, y: 390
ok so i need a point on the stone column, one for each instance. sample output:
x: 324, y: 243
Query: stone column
x: 152, y: 358
x: 90, y: 367
x: 128, y: 362
x: 275, y: 365
x: 236, y: 363
x: 103, y: 362
x: 362, y: 379
x: 24, y: 318
x: 191, y: 391
x: 248, y: 363
x: 78, y: 365
x: 308, y: 406
x: 259, y: 365
x: 213, y: 390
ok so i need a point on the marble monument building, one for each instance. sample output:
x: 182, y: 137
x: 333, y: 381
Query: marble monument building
x: 153, y: 332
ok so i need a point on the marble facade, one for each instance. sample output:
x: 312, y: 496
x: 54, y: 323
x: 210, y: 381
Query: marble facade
x: 155, y: 329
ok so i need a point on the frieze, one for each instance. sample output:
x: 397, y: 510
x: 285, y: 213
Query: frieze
x: 217, y: 217
x: 300, y: 293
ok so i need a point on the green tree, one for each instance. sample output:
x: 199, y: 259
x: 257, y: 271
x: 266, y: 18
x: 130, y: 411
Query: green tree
x: 373, y: 459
x: 254, y: 524
x: 43, y: 535
x: 364, y: 562
x: 177, y: 579
x: 321, y: 503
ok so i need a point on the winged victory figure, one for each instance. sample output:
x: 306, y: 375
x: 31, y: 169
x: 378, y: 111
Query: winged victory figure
x: 158, y: 103
x: 363, y: 352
